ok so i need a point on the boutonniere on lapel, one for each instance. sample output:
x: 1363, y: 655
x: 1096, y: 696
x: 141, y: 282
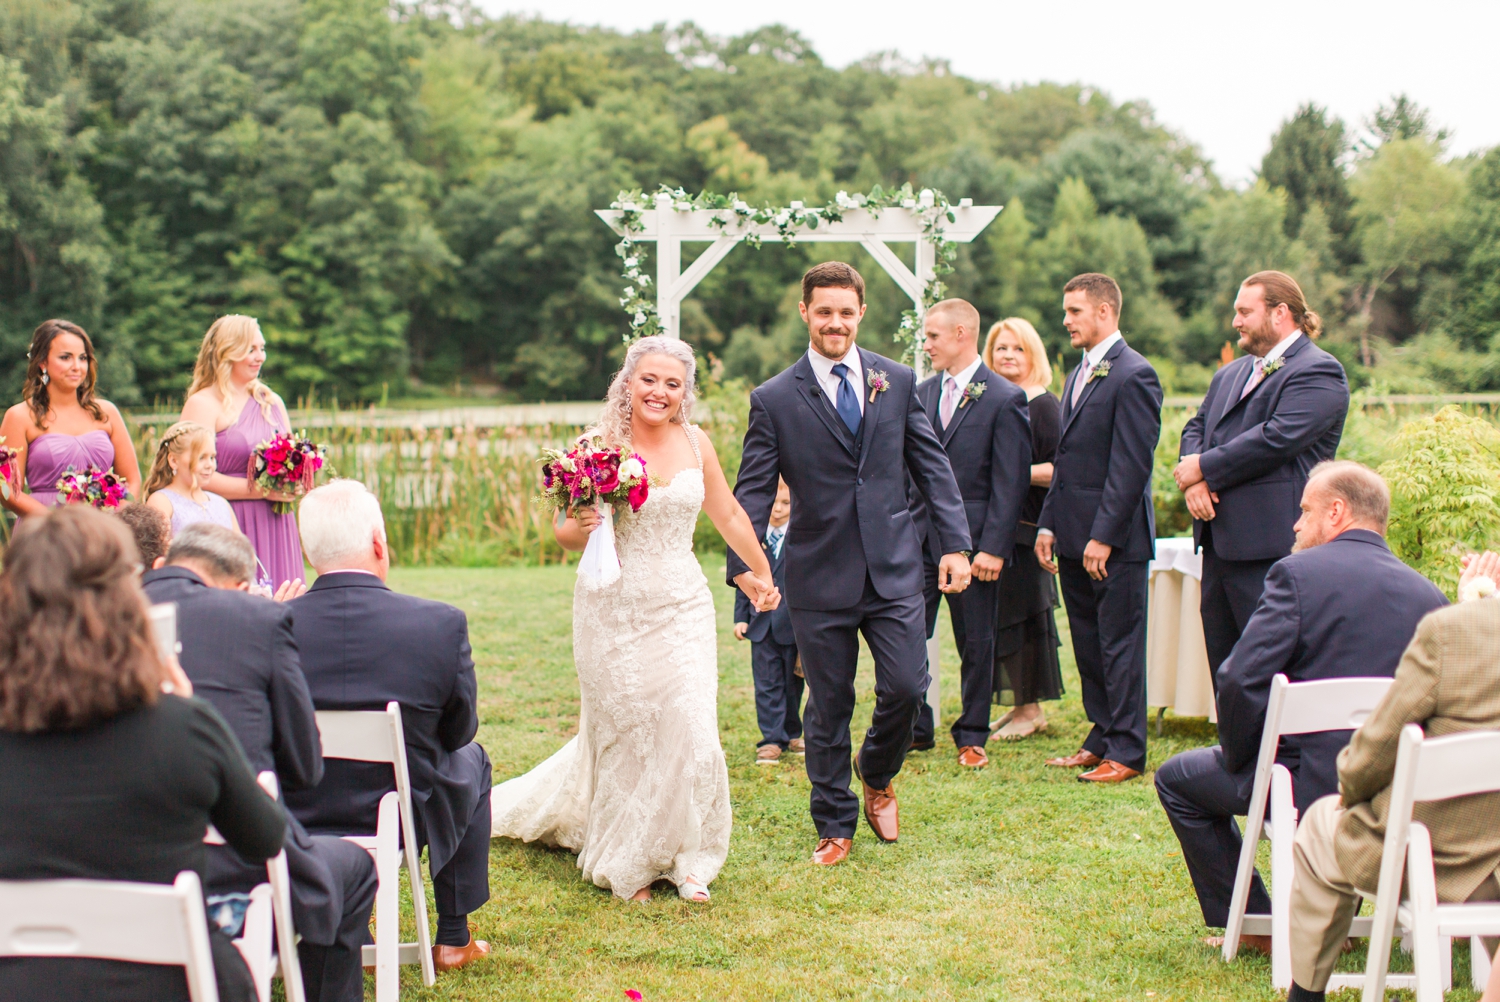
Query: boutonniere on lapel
x: 878, y: 382
x: 1098, y: 372
x: 972, y: 392
x: 1272, y: 366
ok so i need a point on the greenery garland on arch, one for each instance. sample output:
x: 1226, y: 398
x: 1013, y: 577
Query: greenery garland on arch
x: 931, y: 206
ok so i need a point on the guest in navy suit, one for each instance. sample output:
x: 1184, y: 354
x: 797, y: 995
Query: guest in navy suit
x: 1098, y: 520
x: 773, y: 650
x: 1342, y: 605
x: 983, y: 423
x: 241, y: 655
x: 1268, y: 418
x: 362, y: 646
x: 844, y: 428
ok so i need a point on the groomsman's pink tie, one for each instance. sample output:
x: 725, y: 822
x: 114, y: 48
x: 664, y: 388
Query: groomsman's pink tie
x: 950, y: 399
x: 1255, y: 378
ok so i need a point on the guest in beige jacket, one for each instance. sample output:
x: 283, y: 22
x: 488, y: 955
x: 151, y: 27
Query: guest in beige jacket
x: 1448, y: 682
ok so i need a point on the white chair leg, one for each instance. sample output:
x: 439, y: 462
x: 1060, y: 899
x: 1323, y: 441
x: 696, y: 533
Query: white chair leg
x: 1283, y: 832
x: 388, y: 902
x: 254, y: 943
x: 1479, y: 964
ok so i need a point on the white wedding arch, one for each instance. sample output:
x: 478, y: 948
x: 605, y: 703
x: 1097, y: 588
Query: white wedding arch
x: 873, y: 220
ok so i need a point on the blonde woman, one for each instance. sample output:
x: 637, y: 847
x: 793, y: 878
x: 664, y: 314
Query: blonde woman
x: 185, y: 462
x: 1026, y: 666
x: 228, y: 396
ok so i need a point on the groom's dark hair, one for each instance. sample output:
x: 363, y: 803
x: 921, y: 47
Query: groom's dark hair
x: 832, y: 275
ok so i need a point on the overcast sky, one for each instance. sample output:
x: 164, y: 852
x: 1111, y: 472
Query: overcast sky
x: 1225, y: 75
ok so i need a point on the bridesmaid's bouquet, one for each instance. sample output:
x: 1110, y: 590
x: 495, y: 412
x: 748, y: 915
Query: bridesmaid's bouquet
x: 104, y: 489
x: 592, y: 473
x: 7, y: 470
x: 285, y: 465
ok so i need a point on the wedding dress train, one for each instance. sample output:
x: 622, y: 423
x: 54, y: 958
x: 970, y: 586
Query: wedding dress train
x: 642, y: 793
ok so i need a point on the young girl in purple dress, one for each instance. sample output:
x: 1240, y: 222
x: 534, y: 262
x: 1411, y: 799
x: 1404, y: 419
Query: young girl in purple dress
x: 60, y: 425
x: 228, y: 396
x: 186, y: 460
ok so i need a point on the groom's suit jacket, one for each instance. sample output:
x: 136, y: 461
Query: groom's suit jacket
x: 1256, y: 451
x: 1101, y: 476
x: 850, y: 517
x: 988, y: 442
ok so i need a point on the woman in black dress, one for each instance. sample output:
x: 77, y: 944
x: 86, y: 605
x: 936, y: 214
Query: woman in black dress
x: 107, y: 772
x: 1026, y: 666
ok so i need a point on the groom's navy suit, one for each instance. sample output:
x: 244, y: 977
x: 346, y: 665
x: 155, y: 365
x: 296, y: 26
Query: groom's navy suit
x: 1101, y: 490
x: 1255, y: 452
x: 988, y: 441
x: 853, y: 560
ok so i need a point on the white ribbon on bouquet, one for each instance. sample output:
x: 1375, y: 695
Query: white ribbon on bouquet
x: 600, y: 564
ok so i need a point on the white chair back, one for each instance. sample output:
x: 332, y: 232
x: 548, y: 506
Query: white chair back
x: 112, y: 920
x: 1427, y: 769
x: 377, y: 736
x: 1333, y: 704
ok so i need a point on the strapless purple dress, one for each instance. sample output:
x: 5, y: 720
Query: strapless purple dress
x: 277, y: 544
x: 54, y: 454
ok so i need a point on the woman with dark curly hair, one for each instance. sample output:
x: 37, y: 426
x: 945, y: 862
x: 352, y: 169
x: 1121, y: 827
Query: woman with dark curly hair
x: 108, y: 771
x: 60, y: 426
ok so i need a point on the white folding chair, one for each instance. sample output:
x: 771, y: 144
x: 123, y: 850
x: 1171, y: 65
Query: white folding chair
x: 376, y: 736
x: 272, y: 899
x: 111, y: 920
x: 1457, y: 765
x: 1333, y: 704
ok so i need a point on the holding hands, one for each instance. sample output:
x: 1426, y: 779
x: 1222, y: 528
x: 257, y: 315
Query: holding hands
x: 764, y: 595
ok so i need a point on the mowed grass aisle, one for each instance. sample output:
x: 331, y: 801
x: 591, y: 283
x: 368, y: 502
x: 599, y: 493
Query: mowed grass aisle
x: 1016, y: 882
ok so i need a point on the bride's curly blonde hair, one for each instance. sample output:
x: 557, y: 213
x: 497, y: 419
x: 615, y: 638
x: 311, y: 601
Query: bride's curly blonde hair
x: 614, y: 423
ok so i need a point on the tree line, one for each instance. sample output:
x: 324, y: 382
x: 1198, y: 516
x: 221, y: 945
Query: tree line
x: 403, y: 194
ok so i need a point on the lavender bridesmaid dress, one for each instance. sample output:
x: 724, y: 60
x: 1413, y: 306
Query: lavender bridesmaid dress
x: 277, y: 544
x: 53, y: 454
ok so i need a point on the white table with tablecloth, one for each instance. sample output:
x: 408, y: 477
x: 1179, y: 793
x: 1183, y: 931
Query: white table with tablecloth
x: 1177, y: 673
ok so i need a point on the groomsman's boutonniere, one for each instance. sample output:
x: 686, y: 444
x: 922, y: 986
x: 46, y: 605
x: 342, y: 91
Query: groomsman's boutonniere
x: 972, y: 392
x: 1272, y: 366
x: 1098, y: 372
x: 878, y: 382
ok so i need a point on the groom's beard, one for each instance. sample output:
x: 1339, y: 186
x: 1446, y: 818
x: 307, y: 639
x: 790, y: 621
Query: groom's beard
x: 1259, y: 340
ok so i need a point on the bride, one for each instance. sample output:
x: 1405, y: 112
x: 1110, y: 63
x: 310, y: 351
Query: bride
x: 642, y: 793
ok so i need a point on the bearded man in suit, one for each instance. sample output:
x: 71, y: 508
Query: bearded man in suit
x: 1098, y: 521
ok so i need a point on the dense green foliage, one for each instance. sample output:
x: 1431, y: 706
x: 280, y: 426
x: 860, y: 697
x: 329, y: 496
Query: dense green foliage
x: 403, y: 194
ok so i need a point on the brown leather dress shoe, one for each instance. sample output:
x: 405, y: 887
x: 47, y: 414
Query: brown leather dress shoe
x: 881, y: 813
x: 451, y: 958
x: 1108, y: 772
x: 831, y: 851
x: 1082, y: 760
x: 973, y: 757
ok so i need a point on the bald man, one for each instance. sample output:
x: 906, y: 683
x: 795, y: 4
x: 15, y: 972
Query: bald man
x: 985, y: 427
x: 1342, y: 605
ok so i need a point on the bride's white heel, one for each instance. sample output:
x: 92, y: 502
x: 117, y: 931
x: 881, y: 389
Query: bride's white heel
x: 691, y: 890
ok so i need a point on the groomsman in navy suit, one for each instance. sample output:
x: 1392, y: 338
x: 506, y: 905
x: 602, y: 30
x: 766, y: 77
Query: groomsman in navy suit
x: 983, y: 422
x: 844, y: 428
x: 1098, y: 521
x: 1268, y: 418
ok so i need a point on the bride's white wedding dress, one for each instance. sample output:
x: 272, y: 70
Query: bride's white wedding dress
x: 642, y: 793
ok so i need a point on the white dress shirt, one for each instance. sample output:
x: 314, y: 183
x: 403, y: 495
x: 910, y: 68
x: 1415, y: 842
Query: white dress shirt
x: 1091, y: 358
x: 822, y: 367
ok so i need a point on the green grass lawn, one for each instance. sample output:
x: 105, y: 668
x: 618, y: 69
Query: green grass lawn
x: 1015, y: 882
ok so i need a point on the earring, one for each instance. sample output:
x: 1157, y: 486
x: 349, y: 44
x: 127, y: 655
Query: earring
x: 46, y: 379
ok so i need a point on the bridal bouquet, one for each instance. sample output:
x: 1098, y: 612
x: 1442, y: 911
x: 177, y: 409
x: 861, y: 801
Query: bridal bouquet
x: 100, y: 488
x: 285, y: 465
x: 593, y: 474
x: 7, y: 469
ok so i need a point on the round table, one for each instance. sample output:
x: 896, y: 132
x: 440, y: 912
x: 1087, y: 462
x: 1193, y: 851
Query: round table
x: 1177, y: 674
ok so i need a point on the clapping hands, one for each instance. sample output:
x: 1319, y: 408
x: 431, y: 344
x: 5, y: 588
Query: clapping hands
x: 1478, y: 566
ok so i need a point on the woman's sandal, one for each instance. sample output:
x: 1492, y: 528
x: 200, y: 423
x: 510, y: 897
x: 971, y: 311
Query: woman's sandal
x: 995, y: 725
x: 1018, y: 730
x: 691, y: 890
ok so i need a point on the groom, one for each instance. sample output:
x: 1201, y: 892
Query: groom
x: 843, y: 427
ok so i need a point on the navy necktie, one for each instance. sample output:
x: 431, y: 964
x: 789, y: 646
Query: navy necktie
x: 848, y: 404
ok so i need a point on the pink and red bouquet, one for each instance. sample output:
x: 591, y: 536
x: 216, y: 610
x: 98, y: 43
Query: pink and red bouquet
x: 8, y: 483
x: 104, y: 489
x: 285, y: 465
x: 592, y: 473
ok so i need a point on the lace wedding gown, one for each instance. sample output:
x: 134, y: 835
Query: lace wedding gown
x: 642, y: 793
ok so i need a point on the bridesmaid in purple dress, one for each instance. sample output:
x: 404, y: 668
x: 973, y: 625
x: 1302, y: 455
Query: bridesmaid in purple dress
x: 60, y: 426
x: 228, y: 396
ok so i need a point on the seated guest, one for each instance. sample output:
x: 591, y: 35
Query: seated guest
x: 240, y: 653
x: 152, y: 532
x: 364, y: 645
x: 1448, y: 682
x: 1342, y: 605
x: 105, y: 774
